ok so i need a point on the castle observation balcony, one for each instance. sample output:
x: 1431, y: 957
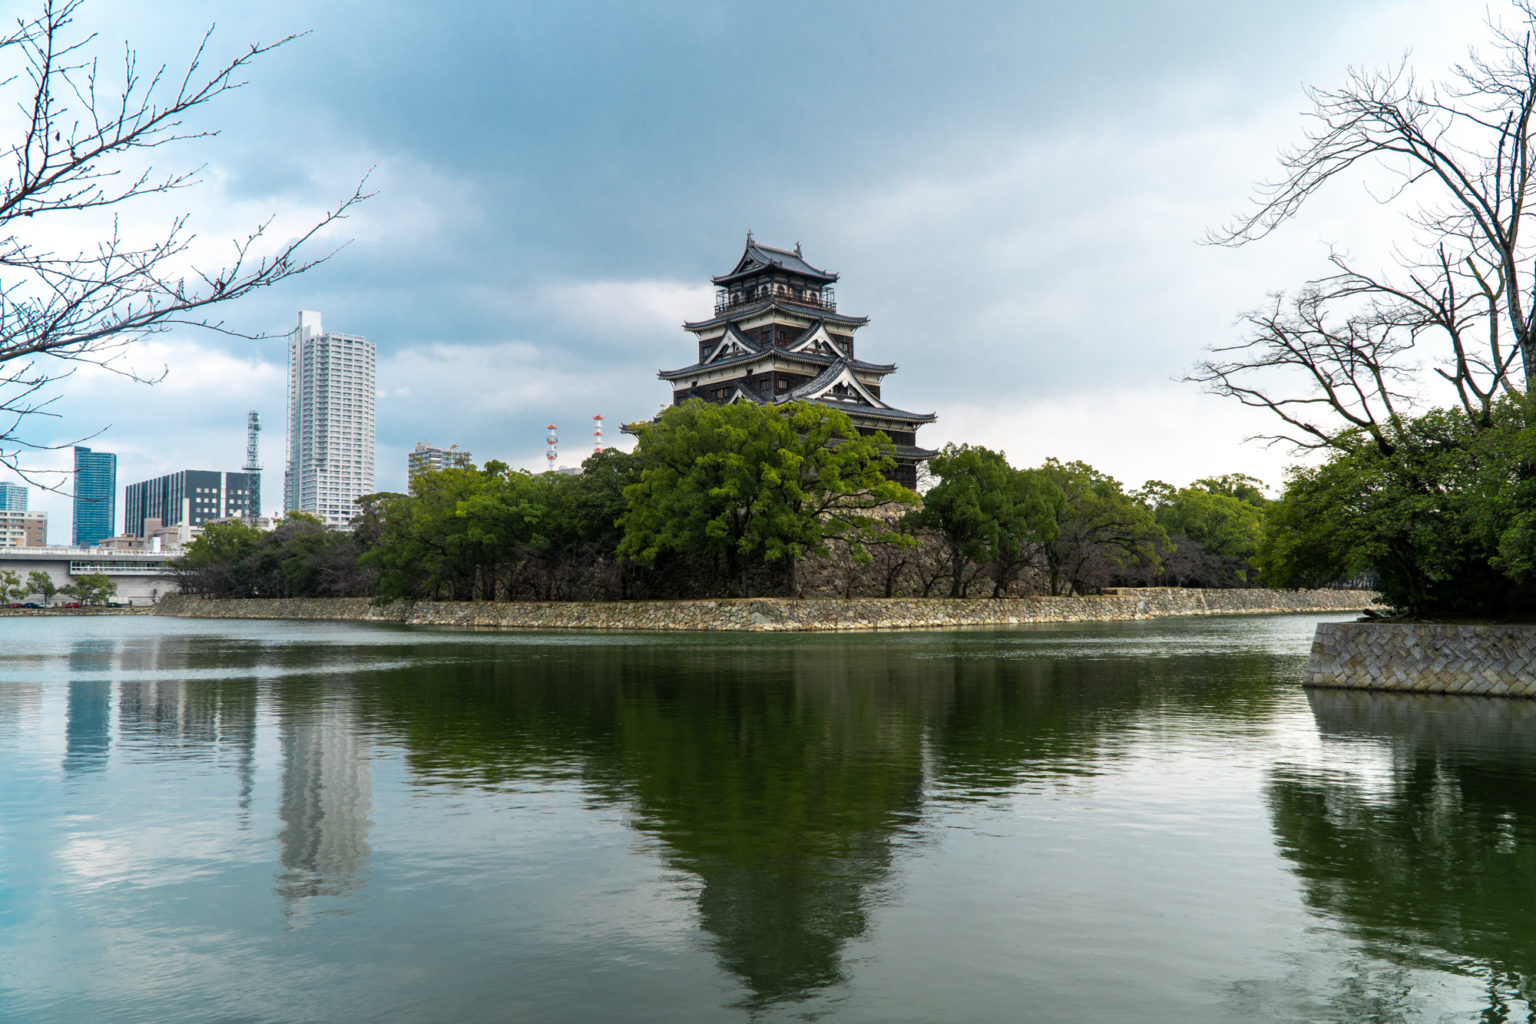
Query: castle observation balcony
x: 822, y: 298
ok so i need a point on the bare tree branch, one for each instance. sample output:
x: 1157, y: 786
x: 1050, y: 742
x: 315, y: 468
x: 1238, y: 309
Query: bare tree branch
x: 1460, y: 158
x: 84, y: 150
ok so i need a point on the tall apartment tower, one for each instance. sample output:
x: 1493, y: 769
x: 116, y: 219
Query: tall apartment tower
x: 330, y: 422
x: 13, y: 497
x: 95, y: 497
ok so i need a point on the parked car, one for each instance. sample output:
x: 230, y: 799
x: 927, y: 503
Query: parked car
x: 31, y: 604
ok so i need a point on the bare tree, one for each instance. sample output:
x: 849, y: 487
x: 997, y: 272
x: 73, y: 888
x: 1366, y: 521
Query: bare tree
x: 1459, y: 159
x: 85, y: 139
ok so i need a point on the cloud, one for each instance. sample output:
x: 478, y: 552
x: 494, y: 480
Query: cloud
x: 1133, y: 434
x: 494, y: 400
x: 1017, y: 213
x: 618, y: 310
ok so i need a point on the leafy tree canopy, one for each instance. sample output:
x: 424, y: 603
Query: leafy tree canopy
x: 1446, y: 522
x: 756, y: 484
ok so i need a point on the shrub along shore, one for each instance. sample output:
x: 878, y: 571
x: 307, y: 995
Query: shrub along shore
x: 780, y: 614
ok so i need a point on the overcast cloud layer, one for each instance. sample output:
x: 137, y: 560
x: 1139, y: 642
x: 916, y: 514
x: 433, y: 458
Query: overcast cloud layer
x: 1011, y: 191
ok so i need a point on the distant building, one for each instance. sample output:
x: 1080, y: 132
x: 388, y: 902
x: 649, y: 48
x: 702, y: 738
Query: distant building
x: 190, y: 497
x: 330, y: 422
x: 155, y: 538
x: 22, y: 529
x: 13, y: 497
x: 426, y: 458
x: 95, y: 497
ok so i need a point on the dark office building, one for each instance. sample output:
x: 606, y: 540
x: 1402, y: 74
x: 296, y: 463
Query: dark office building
x: 192, y: 496
x: 95, y: 497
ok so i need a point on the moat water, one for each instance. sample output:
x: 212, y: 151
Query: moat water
x: 285, y: 822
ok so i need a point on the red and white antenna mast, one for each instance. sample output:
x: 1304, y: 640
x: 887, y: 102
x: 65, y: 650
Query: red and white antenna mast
x: 551, y: 440
x: 597, y: 421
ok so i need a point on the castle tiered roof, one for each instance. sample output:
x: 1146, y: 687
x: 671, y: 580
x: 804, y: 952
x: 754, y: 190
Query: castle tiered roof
x: 757, y: 259
x: 777, y: 337
x: 813, y: 345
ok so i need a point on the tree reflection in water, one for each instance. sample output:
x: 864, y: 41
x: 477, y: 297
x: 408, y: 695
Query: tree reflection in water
x: 785, y: 777
x: 1433, y: 865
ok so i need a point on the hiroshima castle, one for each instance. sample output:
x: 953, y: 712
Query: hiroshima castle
x: 776, y: 336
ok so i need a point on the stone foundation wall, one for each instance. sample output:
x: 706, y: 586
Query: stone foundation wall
x: 1481, y: 660
x: 783, y: 614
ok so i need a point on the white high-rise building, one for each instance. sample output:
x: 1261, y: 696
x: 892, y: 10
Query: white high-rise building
x: 330, y: 422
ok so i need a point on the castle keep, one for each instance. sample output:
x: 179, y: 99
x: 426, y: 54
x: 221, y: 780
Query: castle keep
x: 776, y: 336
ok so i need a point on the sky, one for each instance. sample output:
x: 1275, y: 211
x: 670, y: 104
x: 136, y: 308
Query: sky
x: 1012, y: 192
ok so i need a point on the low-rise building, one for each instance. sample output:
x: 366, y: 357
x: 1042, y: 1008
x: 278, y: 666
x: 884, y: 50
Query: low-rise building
x: 23, y: 529
x: 142, y: 577
x: 426, y: 458
x: 191, y: 497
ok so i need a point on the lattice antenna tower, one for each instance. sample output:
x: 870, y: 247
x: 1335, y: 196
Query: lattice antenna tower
x: 252, y: 464
x: 597, y: 434
x: 553, y: 441
x: 252, y: 442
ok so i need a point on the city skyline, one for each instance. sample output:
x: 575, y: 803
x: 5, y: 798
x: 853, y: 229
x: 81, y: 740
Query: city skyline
x: 1028, y: 194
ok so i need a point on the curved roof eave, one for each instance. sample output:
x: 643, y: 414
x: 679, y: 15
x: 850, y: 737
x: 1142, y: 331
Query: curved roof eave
x: 752, y: 309
x: 806, y: 357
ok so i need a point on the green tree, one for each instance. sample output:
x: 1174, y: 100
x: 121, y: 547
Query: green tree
x: 1214, y: 526
x: 1446, y: 521
x: 220, y: 563
x: 580, y: 530
x: 459, y: 535
x: 1235, y: 485
x: 300, y: 558
x: 11, y: 586
x: 93, y: 588
x: 987, y: 514
x: 1098, y: 528
x: 41, y: 584
x: 495, y: 533
x: 757, y: 484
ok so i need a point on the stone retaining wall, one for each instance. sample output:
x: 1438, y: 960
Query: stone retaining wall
x: 782, y: 614
x: 1481, y: 660
x: 138, y: 609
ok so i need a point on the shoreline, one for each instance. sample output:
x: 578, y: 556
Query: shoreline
x: 138, y: 609
x: 778, y: 614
